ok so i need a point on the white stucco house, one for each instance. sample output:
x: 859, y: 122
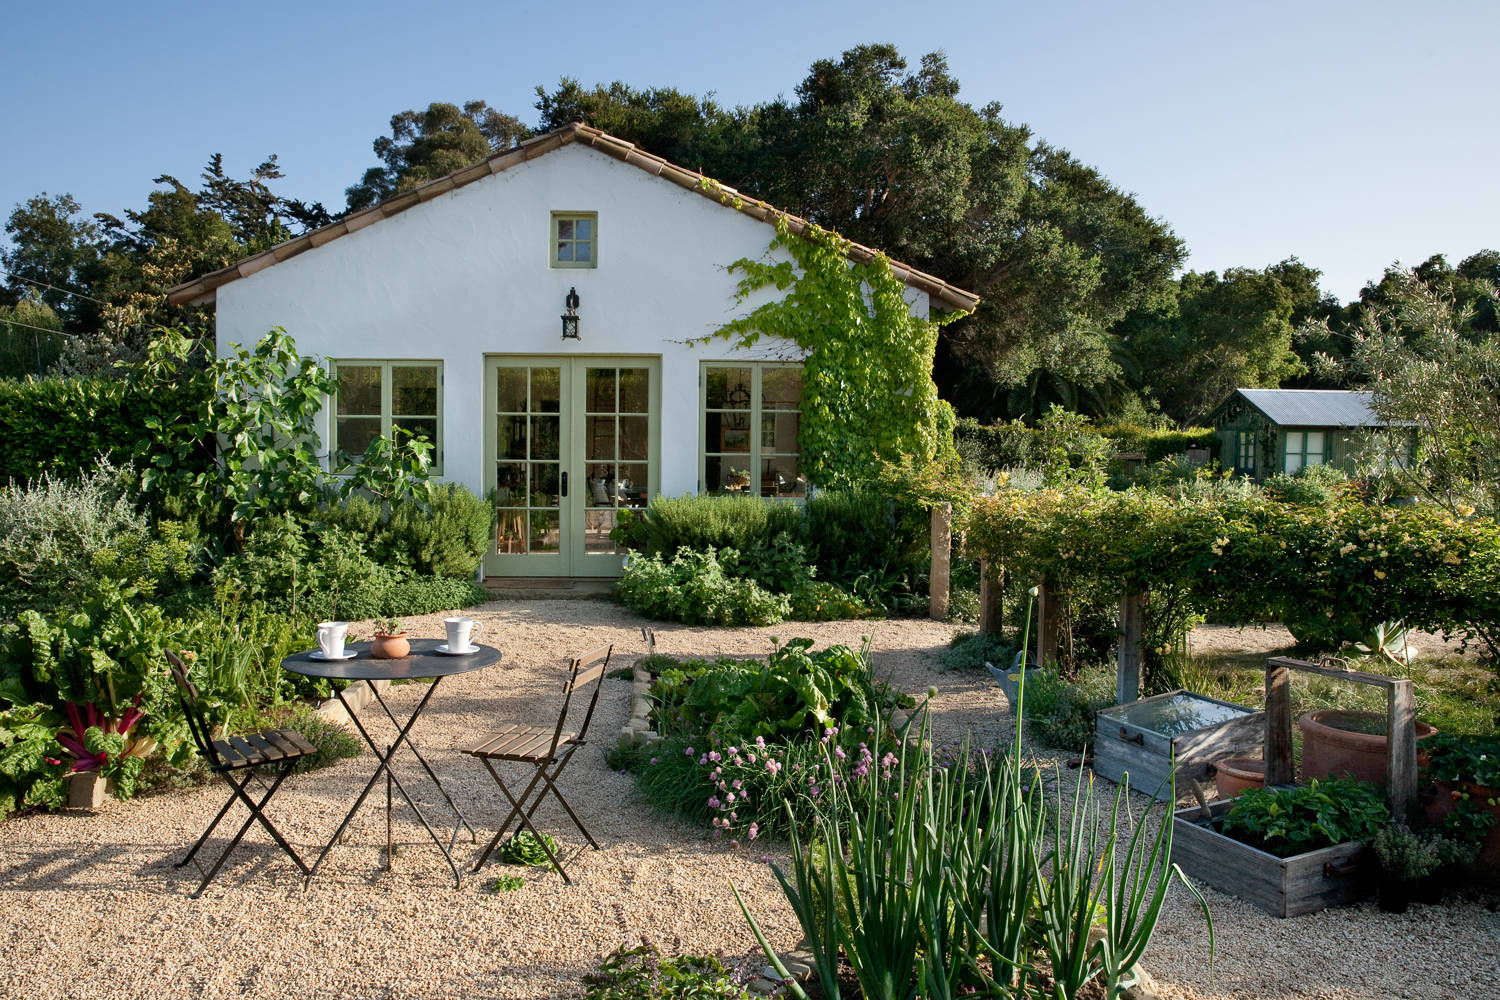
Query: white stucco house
x: 442, y: 311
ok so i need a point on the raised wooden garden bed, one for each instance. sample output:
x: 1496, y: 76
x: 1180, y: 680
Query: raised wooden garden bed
x: 1283, y: 887
x: 1144, y: 737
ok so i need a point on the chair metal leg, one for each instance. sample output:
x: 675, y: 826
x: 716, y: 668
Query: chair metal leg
x: 257, y: 814
x: 518, y: 810
x: 212, y: 826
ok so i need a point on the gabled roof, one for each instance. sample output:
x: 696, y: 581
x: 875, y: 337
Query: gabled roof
x: 1314, y: 407
x: 201, y: 289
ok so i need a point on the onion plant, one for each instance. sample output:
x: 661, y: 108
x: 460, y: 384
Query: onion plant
x: 959, y: 877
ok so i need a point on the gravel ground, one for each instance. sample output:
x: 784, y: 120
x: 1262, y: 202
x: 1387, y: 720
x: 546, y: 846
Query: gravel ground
x: 96, y: 909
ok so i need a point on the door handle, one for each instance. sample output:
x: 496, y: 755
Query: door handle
x: 564, y: 484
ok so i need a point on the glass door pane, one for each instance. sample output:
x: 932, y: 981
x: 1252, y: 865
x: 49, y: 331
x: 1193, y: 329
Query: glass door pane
x: 616, y: 450
x: 528, y: 460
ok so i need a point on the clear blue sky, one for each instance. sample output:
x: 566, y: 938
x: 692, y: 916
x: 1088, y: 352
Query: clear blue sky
x: 1352, y: 134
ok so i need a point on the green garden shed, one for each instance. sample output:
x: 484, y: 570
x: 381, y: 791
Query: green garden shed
x: 1263, y: 432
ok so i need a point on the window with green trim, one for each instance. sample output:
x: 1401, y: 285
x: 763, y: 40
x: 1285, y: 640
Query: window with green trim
x: 575, y: 239
x: 1304, y: 448
x: 374, y: 396
x: 1245, y: 448
x: 751, y: 416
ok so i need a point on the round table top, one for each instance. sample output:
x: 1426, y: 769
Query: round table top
x: 423, y: 661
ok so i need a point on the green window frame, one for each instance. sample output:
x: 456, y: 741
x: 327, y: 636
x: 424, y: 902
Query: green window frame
x: 375, y: 395
x: 575, y: 239
x: 1304, y: 449
x: 749, y: 427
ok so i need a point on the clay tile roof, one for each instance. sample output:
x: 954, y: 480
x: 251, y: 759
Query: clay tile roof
x: 201, y: 289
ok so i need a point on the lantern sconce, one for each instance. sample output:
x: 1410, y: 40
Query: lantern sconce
x: 570, y: 318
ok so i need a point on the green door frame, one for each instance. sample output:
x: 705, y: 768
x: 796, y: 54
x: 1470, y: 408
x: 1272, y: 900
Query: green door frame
x: 571, y: 556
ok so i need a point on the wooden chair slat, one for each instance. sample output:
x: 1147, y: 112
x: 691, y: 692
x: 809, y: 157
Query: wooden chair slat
x: 586, y: 676
x: 488, y: 743
x: 230, y: 755
x: 245, y: 750
x: 290, y: 742
x: 268, y: 750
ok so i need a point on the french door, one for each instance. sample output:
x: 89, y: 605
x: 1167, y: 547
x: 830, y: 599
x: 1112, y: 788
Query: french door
x: 570, y: 442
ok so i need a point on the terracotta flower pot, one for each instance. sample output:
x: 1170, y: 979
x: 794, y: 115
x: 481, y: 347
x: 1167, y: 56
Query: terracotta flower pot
x: 1233, y: 775
x: 1336, y: 743
x: 1445, y: 798
x: 389, y: 647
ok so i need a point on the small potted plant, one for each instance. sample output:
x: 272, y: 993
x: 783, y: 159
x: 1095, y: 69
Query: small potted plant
x: 390, y: 640
x: 1406, y: 858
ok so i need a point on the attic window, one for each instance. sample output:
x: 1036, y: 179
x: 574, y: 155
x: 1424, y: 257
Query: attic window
x: 575, y: 239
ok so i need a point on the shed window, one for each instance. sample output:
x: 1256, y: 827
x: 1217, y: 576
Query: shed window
x: 575, y: 239
x: 1245, y: 452
x: 1303, y: 449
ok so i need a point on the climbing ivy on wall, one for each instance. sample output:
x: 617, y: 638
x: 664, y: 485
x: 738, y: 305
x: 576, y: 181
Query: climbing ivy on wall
x: 868, y: 400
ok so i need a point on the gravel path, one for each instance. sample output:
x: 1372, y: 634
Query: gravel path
x: 95, y: 908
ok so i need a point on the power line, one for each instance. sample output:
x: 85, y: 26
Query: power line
x: 4, y: 321
x: 55, y: 288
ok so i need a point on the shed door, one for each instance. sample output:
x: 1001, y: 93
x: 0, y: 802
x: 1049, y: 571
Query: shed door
x: 571, y: 441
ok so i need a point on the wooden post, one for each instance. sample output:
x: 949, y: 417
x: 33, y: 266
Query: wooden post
x: 1401, y: 749
x: 991, y: 597
x: 1278, y: 724
x: 942, y: 558
x: 1128, y: 671
x: 1046, y: 625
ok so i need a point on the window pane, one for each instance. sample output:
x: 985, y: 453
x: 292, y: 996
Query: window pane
x: 600, y: 436
x: 597, y: 524
x: 511, y: 390
x: 634, y: 432
x: 510, y: 483
x: 354, y: 434
x: 510, y: 531
x: 779, y: 478
x: 1294, y: 442
x: 359, y: 390
x: 422, y: 427
x: 781, y: 388
x: 601, y: 390
x: 728, y: 388
x: 510, y: 437
x: 630, y: 487
x: 583, y: 229
x: 564, y: 229
x: 414, y: 390
x: 583, y: 252
x: 565, y: 251
x: 544, y: 437
x: 1293, y: 463
x: 635, y: 390
x: 546, y: 390
x: 544, y: 484
x: 544, y: 533
x: 1315, y: 447
x: 778, y: 432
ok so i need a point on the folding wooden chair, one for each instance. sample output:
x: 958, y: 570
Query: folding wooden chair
x: 279, y: 748
x: 548, y: 751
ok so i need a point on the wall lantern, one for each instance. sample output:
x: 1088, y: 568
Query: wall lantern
x: 570, y: 318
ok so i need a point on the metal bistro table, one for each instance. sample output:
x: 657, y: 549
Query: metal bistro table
x: 423, y: 662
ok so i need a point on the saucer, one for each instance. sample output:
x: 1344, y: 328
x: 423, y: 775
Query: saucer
x: 455, y: 652
x: 318, y: 654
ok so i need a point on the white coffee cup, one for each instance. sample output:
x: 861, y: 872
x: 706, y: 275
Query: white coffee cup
x: 331, y: 638
x: 461, y: 633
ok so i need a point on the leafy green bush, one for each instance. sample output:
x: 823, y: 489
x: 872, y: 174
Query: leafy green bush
x: 1291, y: 821
x: 52, y: 529
x: 1318, y: 485
x: 1059, y: 714
x: 796, y: 690
x: 443, y: 536
x: 972, y: 650
x: 525, y: 848
x: 697, y: 588
x: 422, y: 595
x: 704, y: 522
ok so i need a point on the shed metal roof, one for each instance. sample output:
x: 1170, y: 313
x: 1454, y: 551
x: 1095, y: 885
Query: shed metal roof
x: 1314, y: 407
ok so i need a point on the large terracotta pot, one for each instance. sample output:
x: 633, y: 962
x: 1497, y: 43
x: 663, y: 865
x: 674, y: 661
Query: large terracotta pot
x: 1233, y: 775
x: 1332, y: 748
x: 1445, y: 798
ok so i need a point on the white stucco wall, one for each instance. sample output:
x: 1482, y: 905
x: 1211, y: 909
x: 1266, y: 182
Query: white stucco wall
x: 467, y: 275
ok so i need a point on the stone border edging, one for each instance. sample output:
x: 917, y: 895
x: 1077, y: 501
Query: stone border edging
x: 332, y: 710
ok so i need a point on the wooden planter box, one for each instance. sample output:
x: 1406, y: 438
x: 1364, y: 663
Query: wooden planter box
x: 1283, y: 887
x: 1141, y: 739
